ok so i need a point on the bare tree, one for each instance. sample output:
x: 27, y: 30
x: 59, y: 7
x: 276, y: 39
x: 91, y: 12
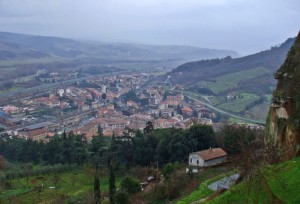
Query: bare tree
x: 3, y: 162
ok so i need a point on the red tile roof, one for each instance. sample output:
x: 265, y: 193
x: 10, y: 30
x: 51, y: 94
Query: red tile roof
x: 37, y: 132
x: 210, y: 154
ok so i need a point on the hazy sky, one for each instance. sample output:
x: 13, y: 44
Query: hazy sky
x: 246, y: 26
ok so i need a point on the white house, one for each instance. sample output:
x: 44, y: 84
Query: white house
x: 104, y: 89
x: 204, y: 158
x: 60, y: 92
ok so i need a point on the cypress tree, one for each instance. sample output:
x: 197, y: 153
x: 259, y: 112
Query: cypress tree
x: 112, y: 185
x: 64, y: 136
x: 97, y: 192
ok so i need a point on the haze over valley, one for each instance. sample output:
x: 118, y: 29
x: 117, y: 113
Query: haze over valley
x: 149, y: 101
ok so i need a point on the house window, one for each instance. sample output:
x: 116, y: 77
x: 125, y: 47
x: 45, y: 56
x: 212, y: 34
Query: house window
x: 197, y: 161
x: 191, y: 160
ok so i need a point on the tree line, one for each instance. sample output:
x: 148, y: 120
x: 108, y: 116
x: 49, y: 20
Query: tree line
x: 145, y: 148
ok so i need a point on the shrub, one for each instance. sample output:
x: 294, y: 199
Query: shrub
x: 130, y: 185
x: 168, y: 170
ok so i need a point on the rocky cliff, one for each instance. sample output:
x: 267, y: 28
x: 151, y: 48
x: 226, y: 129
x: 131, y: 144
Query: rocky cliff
x: 283, y: 123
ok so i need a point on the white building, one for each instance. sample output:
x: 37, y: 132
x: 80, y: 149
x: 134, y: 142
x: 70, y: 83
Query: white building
x: 205, y: 121
x: 104, y: 90
x: 68, y: 90
x: 60, y: 92
x: 204, y: 158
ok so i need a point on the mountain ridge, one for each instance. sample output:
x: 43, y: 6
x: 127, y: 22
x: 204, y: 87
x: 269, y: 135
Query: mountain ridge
x: 191, y: 72
x: 64, y: 47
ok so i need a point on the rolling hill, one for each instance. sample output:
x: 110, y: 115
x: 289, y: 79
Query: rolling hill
x: 24, y: 55
x: 19, y: 47
x: 211, y: 71
x: 248, y: 80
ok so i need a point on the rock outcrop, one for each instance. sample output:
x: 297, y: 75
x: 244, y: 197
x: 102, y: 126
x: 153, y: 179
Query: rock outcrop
x: 283, y: 123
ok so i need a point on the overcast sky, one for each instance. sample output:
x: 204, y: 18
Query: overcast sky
x: 246, y: 26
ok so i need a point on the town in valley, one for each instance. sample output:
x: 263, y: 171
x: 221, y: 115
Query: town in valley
x: 111, y: 104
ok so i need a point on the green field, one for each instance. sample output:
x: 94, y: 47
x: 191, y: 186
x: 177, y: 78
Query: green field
x: 71, y: 186
x: 259, y: 111
x: 200, y: 193
x: 233, y: 120
x: 15, y: 88
x: 215, y: 100
x: 238, y: 105
x: 230, y: 81
x: 18, y: 62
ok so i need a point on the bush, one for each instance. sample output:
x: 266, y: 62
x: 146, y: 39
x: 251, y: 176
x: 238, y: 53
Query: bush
x: 122, y: 197
x: 168, y: 170
x: 130, y: 185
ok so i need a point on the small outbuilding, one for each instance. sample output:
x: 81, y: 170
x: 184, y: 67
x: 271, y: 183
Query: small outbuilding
x: 205, y: 158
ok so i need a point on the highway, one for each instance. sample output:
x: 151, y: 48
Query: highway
x: 220, y: 110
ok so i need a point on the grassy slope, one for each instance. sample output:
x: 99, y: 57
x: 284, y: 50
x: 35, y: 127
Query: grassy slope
x: 284, y: 180
x: 71, y: 186
x: 259, y: 111
x: 215, y: 101
x: 278, y: 183
x: 203, y: 191
x: 239, y: 104
x: 199, y: 194
x: 230, y: 81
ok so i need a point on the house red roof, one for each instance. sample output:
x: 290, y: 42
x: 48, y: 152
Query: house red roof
x: 37, y: 132
x: 212, y: 153
x: 187, y: 109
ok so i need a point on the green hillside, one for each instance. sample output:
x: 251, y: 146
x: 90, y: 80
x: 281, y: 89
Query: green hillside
x: 252, y: 74
x: 63, y: 187
x: 275, y: 184
x: 240, y: 104
x: 191, y: 73
x: 231, y: 81
x: 203, y: 191
x: 250, y: 89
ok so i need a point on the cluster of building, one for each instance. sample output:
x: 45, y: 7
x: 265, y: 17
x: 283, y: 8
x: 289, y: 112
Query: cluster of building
x: 109, y: 105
